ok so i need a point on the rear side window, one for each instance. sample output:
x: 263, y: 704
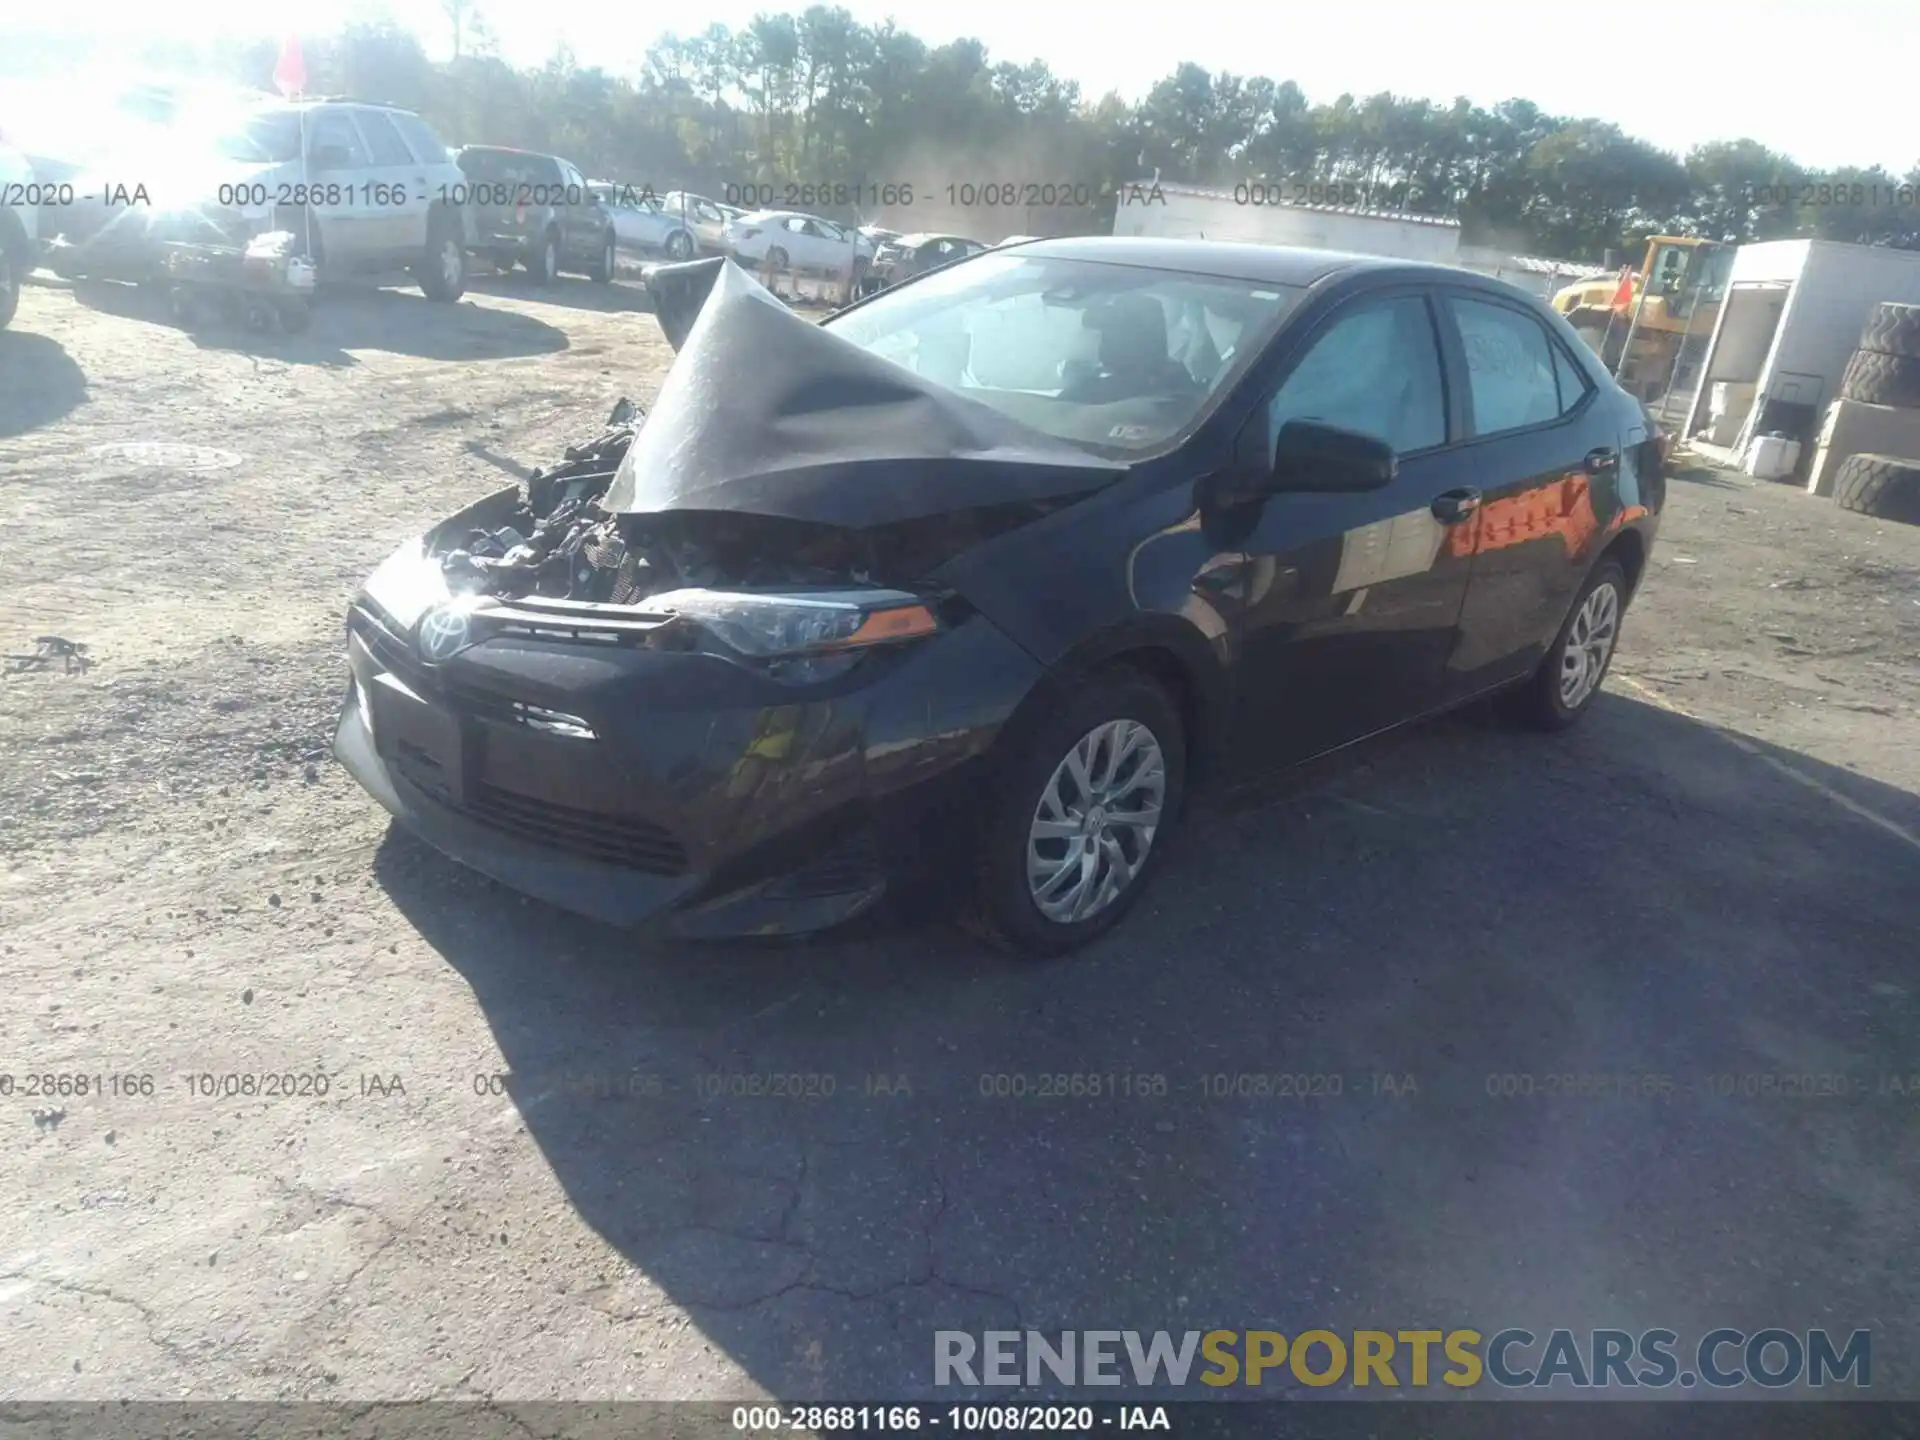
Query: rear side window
x: 427, y: 147
x: 1511, y: 372
x: 382, y: 139
x: 1574, y: 384
x: 1376, y: 370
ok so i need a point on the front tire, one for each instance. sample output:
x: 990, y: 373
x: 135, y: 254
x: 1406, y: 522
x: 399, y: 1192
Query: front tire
x: 1081, y: 813
x: 1568, y: 679
x: 442, y: 270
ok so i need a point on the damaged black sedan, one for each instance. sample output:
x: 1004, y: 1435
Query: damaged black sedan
x: 959, y: 594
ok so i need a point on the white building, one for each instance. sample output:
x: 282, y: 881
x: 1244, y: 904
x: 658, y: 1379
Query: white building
x: 1245, y: 212
x: 1792, y: 319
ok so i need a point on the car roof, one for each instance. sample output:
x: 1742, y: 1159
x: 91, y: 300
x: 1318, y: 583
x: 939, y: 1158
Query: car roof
x: 1227, y: 259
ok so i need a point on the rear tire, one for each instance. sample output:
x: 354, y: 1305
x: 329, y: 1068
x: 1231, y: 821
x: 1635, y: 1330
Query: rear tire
x: 680, y: 246
x: 1882, y: 486
x: 544, y: 263
x: 1115, y: 713
x: 442, y: 270
x: 1569, y: 678
x: 601, y: 271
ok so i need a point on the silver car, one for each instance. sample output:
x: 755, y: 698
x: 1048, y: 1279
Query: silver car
x: 641, y: 222
x: 706, y: 218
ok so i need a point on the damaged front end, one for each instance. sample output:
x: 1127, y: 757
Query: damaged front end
x: 797, y: 600
x: 711, y: 665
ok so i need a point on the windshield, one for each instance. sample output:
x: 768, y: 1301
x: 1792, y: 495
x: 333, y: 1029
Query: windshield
x: 267, y: 137
x: 1115, y: 358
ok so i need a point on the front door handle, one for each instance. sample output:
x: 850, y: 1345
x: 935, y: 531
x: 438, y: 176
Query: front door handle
x: 1598, y: 462
x: 1455, y: 505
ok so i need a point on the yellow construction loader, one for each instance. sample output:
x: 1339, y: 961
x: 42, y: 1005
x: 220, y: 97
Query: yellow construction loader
x: 1636, y: 321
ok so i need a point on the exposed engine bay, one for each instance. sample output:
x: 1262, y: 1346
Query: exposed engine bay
x: 553, y: 539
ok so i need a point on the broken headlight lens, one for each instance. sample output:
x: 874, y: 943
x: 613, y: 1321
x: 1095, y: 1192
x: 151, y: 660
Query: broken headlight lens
x: 784, y: 626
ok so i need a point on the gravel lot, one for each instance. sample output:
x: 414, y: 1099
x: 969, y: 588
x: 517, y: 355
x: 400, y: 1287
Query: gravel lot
x: 1714, y: 877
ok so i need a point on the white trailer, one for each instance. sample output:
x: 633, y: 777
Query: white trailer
x: 1250, y: 213
x: 1792, y: 318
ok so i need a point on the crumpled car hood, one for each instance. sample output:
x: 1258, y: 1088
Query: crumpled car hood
x: 766, y: 413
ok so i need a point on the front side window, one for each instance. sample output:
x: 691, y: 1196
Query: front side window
x: 383, y: 141
x: 1100, y: 355
x: 1510, y: 369
x: 332, y: 130
x: 427, y: 147
x: 1375, y: 370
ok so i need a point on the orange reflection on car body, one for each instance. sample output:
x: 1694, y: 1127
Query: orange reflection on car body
x: 1563, y: 507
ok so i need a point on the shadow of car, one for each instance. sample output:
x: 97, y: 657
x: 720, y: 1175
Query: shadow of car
x: 1289, y: 1088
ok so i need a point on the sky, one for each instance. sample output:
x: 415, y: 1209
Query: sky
x: 1826, y: 81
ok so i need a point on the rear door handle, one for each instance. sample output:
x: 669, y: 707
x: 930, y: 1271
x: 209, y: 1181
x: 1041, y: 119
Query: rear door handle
x: 1598, y: 462
x: 1455, y: 505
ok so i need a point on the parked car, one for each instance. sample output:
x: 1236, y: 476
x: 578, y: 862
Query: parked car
x: 706, y: 218
x: 536, y: 210
x: 19, y: 227
x: 367, y: 189
x: 964, y: 589
x: 786, y: 240
x: 641, y: 223
x: 905, y: 256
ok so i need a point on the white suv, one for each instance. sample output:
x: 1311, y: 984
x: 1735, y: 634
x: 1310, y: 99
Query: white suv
x: 19, y: 227
x: 372, y: 185
x: 368, y: 189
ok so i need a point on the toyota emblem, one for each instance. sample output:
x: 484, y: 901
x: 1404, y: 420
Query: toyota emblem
x: 444, y: 632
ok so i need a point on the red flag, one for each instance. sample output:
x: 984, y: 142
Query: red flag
x: 1624, y: 295
x: 290, y: 75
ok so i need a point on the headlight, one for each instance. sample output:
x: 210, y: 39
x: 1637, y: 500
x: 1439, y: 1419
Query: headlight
x: 780, y: 626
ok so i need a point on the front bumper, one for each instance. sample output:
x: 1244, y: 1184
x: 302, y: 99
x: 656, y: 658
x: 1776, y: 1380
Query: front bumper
x: 710, y: 801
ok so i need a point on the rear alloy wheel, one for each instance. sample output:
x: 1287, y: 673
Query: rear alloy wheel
x: 1081, y: 815
x: 442, y: 271
x: 545, y: 264
x: 1569, y: 678
x: 679, y: 246
x: 602, y: 270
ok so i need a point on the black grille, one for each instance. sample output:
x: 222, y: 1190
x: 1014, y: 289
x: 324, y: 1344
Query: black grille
x: 611, y: 839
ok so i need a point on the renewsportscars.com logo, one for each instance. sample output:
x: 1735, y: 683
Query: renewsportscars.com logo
x: 1391, y: 1359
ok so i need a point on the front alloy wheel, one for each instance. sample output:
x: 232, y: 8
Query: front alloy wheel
x: 1087, y: 786
x: 1094, y: 825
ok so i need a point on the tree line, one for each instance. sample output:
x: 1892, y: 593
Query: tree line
x: 820, y: 98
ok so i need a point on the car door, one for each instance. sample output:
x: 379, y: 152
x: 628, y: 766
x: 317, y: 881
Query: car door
x: 1348, y: 605
x: 1539, y: 442
x: 397, y: 230
x: 337, y: 162
x: 583, y: 224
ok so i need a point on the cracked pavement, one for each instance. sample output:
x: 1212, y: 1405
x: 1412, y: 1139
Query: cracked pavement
x: 1715, y: 876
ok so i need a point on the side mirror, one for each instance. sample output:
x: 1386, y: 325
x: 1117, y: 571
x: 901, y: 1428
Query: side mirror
x: 330, y: 157
x: 1316, y: 457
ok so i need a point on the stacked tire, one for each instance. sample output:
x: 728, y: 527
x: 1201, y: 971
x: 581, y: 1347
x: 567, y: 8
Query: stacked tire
x: 1884, y: 370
